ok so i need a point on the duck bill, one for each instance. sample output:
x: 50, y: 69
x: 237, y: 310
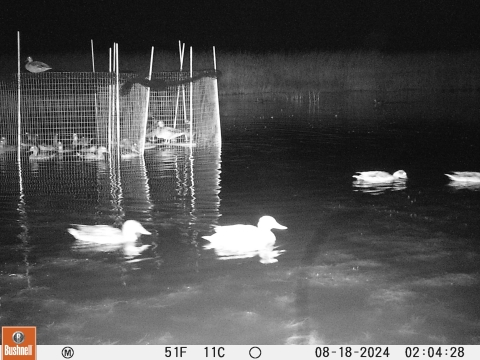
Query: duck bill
x: 281, y: 227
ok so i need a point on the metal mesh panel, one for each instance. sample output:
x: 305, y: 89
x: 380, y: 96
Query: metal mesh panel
x: 8, y: 114
x: 122, y: 125
x: 206, y: 115
x: 79, y: 110
x: 54, y: 106
x: 176, y: 105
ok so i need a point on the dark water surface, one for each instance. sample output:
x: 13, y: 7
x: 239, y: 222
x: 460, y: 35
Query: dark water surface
x: 392, y: 266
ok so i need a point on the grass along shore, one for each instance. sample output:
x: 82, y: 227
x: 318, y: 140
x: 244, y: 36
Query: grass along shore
x: 298, y: 73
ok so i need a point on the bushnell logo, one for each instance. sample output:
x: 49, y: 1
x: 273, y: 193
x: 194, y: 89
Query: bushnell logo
x: 18, y: 337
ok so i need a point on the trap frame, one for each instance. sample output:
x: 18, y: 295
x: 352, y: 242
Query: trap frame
x: 83, y: 109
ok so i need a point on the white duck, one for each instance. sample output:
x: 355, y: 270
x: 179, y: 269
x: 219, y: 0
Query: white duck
x: 36, y: 66
x: 105, y: 234
x: 242, y: 241
x: 465, y: 176
x: 45, y: 147
x: 89, y: 149
x: 380, y: 176
x: 99, y: 155
x: 165, y: 132
x: 39, y: 156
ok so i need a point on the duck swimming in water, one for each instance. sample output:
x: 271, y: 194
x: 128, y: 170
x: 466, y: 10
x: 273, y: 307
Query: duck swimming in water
x: 165, y: 132
x: 465, y: 176
x: 89, y: 149
x: 98, y: 155
x: 44, y: 147
x: 168, y: 133
x: 242, y: 241
x: 105, y: 234
x: 36, y: 66
x: 380, y: 176
x: 39, y: 156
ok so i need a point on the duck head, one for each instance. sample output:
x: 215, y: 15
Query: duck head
x: 134, y: 227
x: 34, y: 150
x: 400, y: 174
x: 268, y: 222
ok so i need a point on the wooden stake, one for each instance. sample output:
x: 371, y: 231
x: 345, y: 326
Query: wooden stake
x: 19, y: 120
x: 181, y: 48
x: 93, y: 69
x: 110, y: 102
x: 214, y: 60
x: 191, y: 96
x: 93, y: 57
x: 144, y: 132
x: 117, y: 97
x: 215, y: 91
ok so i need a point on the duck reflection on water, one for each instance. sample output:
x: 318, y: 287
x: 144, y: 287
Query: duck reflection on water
x: 377, y: 189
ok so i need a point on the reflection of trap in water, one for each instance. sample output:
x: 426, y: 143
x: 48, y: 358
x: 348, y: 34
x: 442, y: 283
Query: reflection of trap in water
x: 378, y: 188
x: 75, y: 111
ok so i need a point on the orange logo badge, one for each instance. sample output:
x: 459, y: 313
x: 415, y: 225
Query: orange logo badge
x: 19, y: 342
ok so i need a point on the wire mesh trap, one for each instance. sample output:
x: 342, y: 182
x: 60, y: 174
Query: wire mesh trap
x: 80, y: 112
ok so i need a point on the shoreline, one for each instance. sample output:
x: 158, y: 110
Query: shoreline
x: 299, y: 74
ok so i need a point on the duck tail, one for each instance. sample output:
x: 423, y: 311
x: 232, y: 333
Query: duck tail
x: 209, y: 238
x: 73, y: 232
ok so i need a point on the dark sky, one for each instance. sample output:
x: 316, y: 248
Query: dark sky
x: 254, y: 26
